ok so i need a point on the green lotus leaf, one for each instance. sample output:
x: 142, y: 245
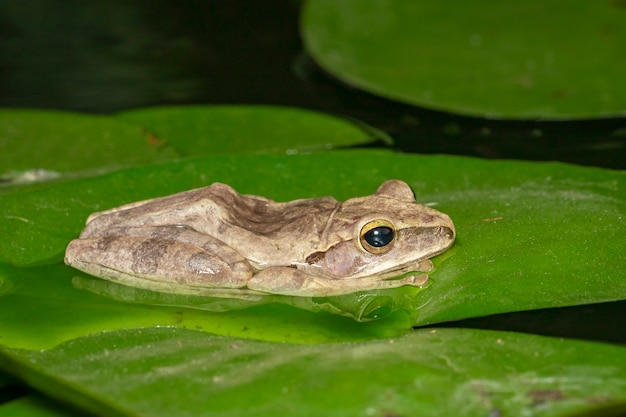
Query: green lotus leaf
x: 197, y: 130
x: 49, y: 143
x: 37, y: 145
x: 526, y: 60
x: 165, y: 372
x: 530, y: 235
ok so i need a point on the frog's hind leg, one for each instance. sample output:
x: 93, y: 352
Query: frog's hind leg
x: 165, y: 258
x: 291, y: 281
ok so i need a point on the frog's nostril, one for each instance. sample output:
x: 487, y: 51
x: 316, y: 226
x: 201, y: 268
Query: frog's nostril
x: 444, y: 231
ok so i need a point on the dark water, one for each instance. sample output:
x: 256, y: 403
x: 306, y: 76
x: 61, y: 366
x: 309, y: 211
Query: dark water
x: 102, y: 57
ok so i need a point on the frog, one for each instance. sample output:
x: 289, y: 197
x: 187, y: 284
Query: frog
x: 215, y: 241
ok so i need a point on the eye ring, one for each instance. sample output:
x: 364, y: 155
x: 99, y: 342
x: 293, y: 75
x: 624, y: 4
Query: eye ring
x: 377, y: 236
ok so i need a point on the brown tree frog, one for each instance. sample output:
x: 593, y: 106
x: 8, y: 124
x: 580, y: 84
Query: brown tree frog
x: 217, y: 242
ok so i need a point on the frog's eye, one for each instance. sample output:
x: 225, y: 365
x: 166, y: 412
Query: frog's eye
x: 377, y: 236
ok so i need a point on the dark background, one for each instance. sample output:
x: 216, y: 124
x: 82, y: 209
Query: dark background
x: 107, y: 56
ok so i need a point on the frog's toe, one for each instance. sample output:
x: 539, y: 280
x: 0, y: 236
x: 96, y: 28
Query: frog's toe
x: 415, y: 280
x: 425, y: 265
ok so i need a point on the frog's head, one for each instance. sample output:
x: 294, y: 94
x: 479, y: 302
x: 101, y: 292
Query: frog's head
x: 384, y: 234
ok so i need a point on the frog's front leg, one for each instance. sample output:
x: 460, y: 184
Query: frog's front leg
x: 291, y: 281
x: 166, y: 258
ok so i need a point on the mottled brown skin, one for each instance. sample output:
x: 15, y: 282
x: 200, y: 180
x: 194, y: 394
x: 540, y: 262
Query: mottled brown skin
x: 215, y: 241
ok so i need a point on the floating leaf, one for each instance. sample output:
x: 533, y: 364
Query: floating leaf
x: 198, y: 130
x: 164, y: 372
x: 530, y: 235
x: 496, y: 59
x: 56, y: 141
x: 37, y: 146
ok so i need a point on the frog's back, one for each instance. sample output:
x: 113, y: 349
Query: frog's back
x: 175, y: 209
x: 254, y: 225
x: 264, y: 230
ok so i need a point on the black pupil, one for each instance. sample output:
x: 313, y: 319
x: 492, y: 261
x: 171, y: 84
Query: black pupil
x: 379, y: 236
